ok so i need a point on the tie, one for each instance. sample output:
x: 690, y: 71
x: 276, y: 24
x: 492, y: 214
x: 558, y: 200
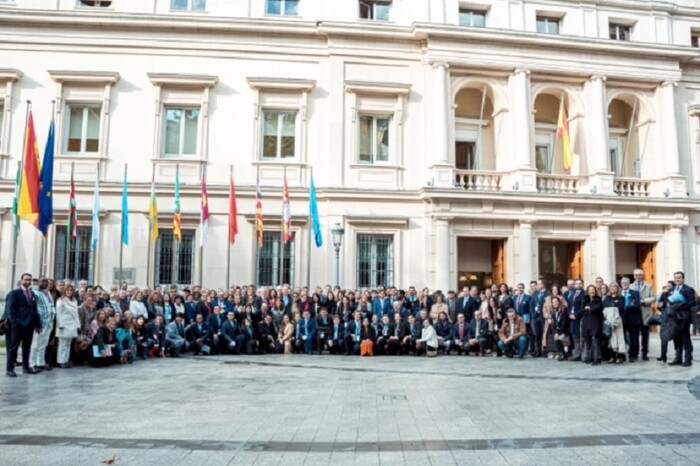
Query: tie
x: 28, y: 294
x: 520, y: 300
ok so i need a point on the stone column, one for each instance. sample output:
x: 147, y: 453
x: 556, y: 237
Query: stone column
x: 442, y: 254
x: 673, y: 183
x: 524, y: 176
x: 604, y: 260
x: 526, y: 271
x: 442, y: 168
x: 600, y: 178
x: 674, y: 248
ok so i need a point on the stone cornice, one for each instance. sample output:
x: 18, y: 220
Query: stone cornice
x: 85, y: 77
x: 183, y: 80
x: 9, y: 74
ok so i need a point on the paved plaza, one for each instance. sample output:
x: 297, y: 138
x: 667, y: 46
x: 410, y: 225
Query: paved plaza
x: 300, y: 409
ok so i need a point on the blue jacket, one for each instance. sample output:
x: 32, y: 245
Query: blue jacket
x: 380, y: 309
x: 307, y: 328
x: 524, y: 307
x: 20, y: 311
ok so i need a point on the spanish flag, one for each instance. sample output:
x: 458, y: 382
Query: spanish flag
x: 563, y: 133
x: 153, y: 210
x: 28, y: 204
x: 259, y: 227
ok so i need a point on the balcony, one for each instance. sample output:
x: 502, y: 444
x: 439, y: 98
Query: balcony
x: 478, y: 180
x: 557, y: 184
x: 632, y: 187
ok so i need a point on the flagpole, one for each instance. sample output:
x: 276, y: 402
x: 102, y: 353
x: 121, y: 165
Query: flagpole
x: 308, y: 242
x: 19, y: 190
x: 201, y: 242
x: 282, y: 235
x: 228, y: 244
x: 43, y: 238
x: 150, y: 232
x: 121, y: 239
x: 173, y: 262
x: 68, y: 228
x: 257, y: 242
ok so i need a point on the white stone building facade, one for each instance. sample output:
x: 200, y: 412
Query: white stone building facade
x: 429, y: 126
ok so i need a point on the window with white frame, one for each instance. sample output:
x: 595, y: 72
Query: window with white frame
x: 465, y: 155
x: 471, y: 17
x: 2, y: 121
x: 83, y: 128
x: 543, y: 152
x: 279, y: 134
x: 282, y: 7
x: 548, y: 24
x: 181, y: 131
x: 695, y: 37
x: 374, y: 138
x: 375, y: 260
x: 188, y: 5
x: 615, y: 151
x: 619, y: 31
x: 377, y: 10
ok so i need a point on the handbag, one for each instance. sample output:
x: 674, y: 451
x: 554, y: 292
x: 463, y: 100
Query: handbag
x: 654, y: 320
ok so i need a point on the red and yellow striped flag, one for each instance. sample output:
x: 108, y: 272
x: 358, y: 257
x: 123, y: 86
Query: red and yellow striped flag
x: 563, y: 133
x: 259, y: 213
x: 28, y: 204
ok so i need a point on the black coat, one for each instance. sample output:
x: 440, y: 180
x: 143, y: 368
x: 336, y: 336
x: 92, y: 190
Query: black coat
x: 21, y: 311
x: 592, y: 322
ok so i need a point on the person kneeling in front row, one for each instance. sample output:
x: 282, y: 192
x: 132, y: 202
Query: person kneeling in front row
x: 478, y: 335
x: 512, y: 335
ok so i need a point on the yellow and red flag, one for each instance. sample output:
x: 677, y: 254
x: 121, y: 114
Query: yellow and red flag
x: 563, y: 133
x: 258, y: 213
x: 28, y: 203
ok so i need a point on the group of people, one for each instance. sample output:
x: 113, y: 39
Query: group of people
x: 57, y: 324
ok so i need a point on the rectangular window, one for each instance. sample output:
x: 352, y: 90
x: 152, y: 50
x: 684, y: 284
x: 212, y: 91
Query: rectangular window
x: 279, y: 134
x: 695, y: 38
x: 267, y: 270
x: 188, y: 5
x: 614, y: 151
x: 83, y: 133
x: 375, y: 10
x: 465, y: 155
x: 375, y: 260
x: 472, y: 18
x: 620, y: 31
x: 181, y: 128
x: 174, y: 269
x: 95, y: 3
x: 548, y: 25
x: 374, y: 139
x: 79, y: 259
x: 543, y: 158
x: 2, y: 120
x: 282, y: 7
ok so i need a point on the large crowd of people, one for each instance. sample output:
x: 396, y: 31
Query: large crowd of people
x: 62, y: 324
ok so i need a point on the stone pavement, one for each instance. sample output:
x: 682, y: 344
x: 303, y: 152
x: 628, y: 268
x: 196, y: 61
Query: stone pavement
x: 300, y: 409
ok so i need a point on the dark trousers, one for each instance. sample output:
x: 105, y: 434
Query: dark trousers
x: 645, y: 340
x: 394, y: 346
x: 634, y: 330
x: 21, y: 335
x: 538, y: 331
x: 682, y: 342
x: 338, y: 346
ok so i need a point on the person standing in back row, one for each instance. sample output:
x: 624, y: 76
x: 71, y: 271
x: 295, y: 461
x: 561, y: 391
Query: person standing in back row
x: 23, y: 315
x: 682, y: 299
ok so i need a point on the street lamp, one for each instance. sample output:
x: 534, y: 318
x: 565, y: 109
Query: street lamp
x: 338, y: 231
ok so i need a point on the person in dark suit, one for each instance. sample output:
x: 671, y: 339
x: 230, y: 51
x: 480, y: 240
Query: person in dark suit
x: 335, y: 339
x: 413, y: 333
x: 215, y: 321
x: 381, y: 305
x: 682, y: 299
x: 574, y: 300
x: 156, y: 333
x: 469, y: 303
x: 460, y: 330
x: 198, y: 336
x: 632, y: 317
x: 307, y: 333
x: 443, y: 328
x: 537, y: 315
x: 397, y: 335
x: 23, y: 315
x: 232, y: 340
x: 384, y: 331
x: 592, y: 326
x: 353, y: 334
x: 323, y: 326
x: 267, y: 334
x: 478, y: 336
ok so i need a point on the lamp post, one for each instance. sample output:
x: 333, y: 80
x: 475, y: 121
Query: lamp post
x: 338, y: 231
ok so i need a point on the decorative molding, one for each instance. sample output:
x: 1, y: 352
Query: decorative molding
x: 10, y: 74
x: 183, y: 80
x: 393, y: 221
x: 276, y: 219
x: 300, y: 85
x: 368, y: 87
x: 85, y: 77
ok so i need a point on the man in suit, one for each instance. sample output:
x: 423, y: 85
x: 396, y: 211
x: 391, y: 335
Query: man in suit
x: 537, y: 316
x: 232, y: 339
x: 646, y: 294
x: 682, y: 299
x: 156, y: 333
x: 215, y: 321
x: 443, y: 328
x: 478, y: 340
x: 335, y: 340
x: 460, y: 330
x: 574, y: 300
x: 413, y: 333
x: 323, y: 326
x: 469, y: 302
x: 452, y: 305
x: 512, y: 335
x: 175, y: 340
x: 385, y: 330
x: 23, y: 315
x: 267, y: 334
x: 47, y: 313
x: 398, y: 333
x: 198, y: 336
x: 632, y: 317
x: 307, y: 333
x: 353, y: 334
x: 381, y: 305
